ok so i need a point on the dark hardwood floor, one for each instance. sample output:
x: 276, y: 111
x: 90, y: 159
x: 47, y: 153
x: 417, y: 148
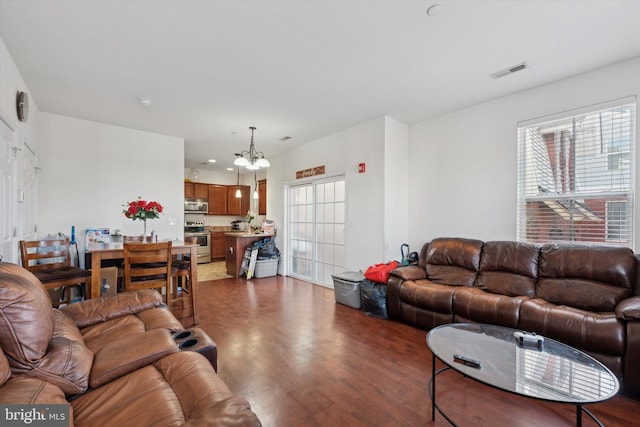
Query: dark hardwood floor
x: 300, y: 359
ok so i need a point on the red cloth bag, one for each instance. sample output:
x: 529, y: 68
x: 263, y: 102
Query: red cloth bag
x: 380, y: 272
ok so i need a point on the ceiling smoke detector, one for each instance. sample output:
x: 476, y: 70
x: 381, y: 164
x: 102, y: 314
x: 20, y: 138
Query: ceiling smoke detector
x: 510, y: 70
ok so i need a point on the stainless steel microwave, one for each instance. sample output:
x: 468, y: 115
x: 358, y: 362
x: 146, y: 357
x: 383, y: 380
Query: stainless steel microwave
x: 196, y: 206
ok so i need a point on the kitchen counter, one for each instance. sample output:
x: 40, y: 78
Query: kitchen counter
x: 247, y: 234
x: 237, y: 242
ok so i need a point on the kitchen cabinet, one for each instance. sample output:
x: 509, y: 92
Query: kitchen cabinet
x: 222, y: 198
x: 218, y: 245
x: 217, y: 195
x: 193, y: 190
x: 238, y: 206
x: 201, y: 191
x: 262, y: 197
x: 189, y: 190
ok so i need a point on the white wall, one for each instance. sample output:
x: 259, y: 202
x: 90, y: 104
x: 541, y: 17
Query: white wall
x: 396, y: 188
x: 341, y: 153
x: 463, y: 164
x: 15, y: 216
x: 89, y: 170
x: 11, y: 82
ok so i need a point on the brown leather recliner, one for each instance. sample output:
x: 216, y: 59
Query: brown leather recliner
x: 113, y: 360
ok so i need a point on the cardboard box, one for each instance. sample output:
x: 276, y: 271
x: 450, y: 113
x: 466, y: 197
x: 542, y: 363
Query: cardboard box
x: 97, y: 238
x: 108, y: 281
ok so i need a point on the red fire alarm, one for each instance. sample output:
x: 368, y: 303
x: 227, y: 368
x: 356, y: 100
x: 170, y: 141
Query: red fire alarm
x: 362, y: 168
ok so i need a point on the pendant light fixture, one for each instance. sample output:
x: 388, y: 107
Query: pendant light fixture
x: 255, y: 183
x: 251, y: 159
x: 238, y: 192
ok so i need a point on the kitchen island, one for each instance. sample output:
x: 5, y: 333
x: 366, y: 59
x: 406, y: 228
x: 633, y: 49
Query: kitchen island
x: 237, y: 242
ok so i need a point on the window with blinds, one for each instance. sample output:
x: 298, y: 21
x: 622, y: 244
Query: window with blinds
x: 575, y: 176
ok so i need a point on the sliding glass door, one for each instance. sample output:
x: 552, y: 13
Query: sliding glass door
x: 316, y: 229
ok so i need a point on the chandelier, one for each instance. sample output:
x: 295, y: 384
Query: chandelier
x: 251, y: 159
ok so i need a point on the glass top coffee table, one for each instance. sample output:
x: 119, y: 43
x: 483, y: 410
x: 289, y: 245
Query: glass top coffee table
x: 531, y: 366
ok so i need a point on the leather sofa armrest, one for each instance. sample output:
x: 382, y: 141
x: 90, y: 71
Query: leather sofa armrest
x: 628, y: 309
x: 97, y: 310
x: 397, y: 277
x: 129, y: 353
x: 410, y: 272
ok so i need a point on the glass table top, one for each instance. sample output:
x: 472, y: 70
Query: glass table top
x: 552, y: 371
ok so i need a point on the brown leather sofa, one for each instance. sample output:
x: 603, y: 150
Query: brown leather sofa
x: 113, y: 360
x: 586, y: 296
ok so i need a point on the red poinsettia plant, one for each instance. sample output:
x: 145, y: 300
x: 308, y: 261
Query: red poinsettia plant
x: 142, y: 210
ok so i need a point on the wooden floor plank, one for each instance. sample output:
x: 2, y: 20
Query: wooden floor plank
x: 301, y: 359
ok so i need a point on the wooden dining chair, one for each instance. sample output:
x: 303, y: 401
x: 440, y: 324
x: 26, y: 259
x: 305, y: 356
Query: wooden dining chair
x: 148, y: 266
x: 50, y: 261
x: 181, y: 279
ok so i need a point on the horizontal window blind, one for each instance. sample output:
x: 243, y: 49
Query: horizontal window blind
x: 575, y: 177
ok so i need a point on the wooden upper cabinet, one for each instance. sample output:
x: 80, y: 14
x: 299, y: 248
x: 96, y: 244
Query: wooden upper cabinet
x: 201, y: 191
x: 262, y: 197
x: 217, y: 195
x: 189, y: 190
x: 222, y: 198
x: 238, y: 206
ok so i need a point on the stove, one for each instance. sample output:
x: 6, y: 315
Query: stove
x: 203, y: 237
x: 193, y: 226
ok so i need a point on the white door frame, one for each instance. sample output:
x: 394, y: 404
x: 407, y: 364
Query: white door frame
x: 8, y: 200
x: 306, y: 181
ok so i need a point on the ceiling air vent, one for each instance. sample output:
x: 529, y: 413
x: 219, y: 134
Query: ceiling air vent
x: 510, y: 70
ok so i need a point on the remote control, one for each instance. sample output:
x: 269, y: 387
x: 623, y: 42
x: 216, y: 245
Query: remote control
x: 528, y: 338
x: 472, y: 363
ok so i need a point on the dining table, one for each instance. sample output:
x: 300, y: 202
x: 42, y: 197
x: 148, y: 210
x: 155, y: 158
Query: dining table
x: 178, y: 247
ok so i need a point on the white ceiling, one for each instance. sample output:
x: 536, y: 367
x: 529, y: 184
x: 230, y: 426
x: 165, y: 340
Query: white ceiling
x: 303, y: 69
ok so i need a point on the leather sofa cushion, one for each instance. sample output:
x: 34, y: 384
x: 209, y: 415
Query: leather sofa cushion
x: 32, y: 391
x: 65, y: 327
x: 98, y: 335
x: 53, y: 351
x: 629, y: 309
x: 409, y: 272
x: 589, y: 277
x: 24, y: 302
x: 427, y: 295
x: 476, y: 305
x: 232, y: 412
x: 99, y: 310
x: 453, y: 261
x: 66, y: 364
x: 585, y: 330
x: 129, y: 353
x: 508, y: 268
x: 167, y: 392
x: 5, y: 369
